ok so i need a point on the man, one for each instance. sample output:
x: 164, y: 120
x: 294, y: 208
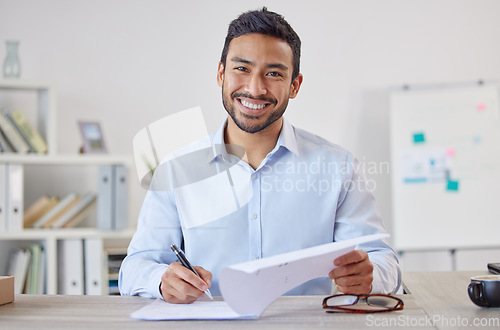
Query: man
x: 305, y: 191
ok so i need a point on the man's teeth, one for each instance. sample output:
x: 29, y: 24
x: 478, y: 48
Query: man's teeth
x: 253, y: 106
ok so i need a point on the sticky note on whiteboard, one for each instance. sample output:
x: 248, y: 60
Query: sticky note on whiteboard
x: 419, y: 137
x: 452, y: 185
x: 451, y: 152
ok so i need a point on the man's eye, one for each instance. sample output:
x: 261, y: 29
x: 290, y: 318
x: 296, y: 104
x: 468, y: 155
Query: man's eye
x: 275, y: 74
x: 241, y: 68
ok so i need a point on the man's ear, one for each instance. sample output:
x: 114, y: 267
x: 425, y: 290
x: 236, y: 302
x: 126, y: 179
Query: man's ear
x: 220, y: 74
x: 296, y: 86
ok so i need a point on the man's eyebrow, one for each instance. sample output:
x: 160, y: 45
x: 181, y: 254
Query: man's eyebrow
x: 270, y: 65
x: 241, y: 60
x: 277, y: 66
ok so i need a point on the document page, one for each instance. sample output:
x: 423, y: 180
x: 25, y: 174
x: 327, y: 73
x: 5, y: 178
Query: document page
x: 248, y: 288
x: 251, y: 286
x: 199, y: 310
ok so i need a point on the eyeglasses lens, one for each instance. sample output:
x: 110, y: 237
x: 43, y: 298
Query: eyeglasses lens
x: 342, y: 300
x: 381, y: 301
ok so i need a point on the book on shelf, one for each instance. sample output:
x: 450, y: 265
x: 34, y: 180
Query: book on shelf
x: 4, y: 143
x: 77, y: 213
x: 12, y: 135
x: 38, y: 209
x: 30, y: 134
x: 18, y: 267
x: 55, y: 211
x: 36, y: 274
x: 114, y: 258
x: 9, y: 117
x: 64, y: 210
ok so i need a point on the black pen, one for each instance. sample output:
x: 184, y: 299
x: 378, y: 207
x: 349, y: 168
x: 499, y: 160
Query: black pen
x: 182, y: 258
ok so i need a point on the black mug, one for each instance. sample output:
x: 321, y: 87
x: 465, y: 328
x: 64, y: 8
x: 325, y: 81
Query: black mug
x: 484, y: 290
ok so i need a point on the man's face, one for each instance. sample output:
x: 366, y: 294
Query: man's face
x: 257, y: 81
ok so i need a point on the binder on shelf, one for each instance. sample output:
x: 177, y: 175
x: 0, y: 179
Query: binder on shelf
x: 3, y: 197
x: 120, y: 203
x: 31, y: 135
x: 70, y: 266
x: 15, y: 139
x: 94, y: 266
x: 112, y: 199
x: 105, y: 198
x: 15, y: 197
x: 53, y: 212
x: 83, y: 202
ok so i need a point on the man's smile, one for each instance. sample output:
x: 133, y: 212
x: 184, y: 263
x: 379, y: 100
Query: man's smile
x: 253, y: 106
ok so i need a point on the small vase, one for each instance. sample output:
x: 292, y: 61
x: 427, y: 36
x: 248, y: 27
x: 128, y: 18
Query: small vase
x: 11, y: 65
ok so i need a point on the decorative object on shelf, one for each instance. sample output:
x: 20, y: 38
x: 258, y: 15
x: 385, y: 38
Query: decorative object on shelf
x: 93, y: 139
x: 11, y: 65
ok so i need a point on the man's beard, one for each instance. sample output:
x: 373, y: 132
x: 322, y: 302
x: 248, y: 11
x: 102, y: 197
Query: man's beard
x: 248, y: 127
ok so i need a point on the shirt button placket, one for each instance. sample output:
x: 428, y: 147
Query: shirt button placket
x: 254, y: 225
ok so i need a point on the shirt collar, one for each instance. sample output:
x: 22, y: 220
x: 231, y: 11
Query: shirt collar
x: 218, y: 149
x: 286, y: 139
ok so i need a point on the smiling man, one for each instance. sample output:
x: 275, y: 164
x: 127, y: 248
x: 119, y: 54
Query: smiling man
x: 305, y: 191
x: 257, y: 79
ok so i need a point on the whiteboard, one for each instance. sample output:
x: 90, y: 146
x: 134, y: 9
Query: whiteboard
x: 445, y: 156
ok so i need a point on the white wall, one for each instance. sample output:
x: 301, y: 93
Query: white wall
x: 127, y: 63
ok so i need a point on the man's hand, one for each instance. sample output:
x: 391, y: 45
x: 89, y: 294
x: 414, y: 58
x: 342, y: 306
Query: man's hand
x: 179, y: 285
x: 354, y: 273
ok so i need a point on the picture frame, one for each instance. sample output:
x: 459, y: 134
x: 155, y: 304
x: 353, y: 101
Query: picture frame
x: 93, y: 138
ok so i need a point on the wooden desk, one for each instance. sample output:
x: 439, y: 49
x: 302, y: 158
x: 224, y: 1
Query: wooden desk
x: 113, y: 312
x: 445, y: 297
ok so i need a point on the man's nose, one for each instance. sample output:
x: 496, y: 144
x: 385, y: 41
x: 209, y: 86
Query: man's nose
x: 256, y: 85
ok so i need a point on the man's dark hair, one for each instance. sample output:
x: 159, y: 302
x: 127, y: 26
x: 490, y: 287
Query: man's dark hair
x: 267, y: 23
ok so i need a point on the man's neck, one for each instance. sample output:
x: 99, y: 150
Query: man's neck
x: 256, y: 145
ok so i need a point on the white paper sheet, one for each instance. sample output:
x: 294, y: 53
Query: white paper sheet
x: 199, y: 310
x: 248, y: 288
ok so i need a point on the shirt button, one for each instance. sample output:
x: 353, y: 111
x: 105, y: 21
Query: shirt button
x: 254, y: 176
x: 254, y: 216
x: 255, y: 258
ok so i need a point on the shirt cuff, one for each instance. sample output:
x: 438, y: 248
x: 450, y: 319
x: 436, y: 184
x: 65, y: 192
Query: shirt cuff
x: 155, y: 282
x: 385, y: 283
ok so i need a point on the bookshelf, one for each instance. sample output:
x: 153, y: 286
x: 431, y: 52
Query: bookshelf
x: 45, y: 121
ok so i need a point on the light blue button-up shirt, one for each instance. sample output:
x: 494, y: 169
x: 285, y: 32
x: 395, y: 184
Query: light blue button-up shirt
x: 221, y: 211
